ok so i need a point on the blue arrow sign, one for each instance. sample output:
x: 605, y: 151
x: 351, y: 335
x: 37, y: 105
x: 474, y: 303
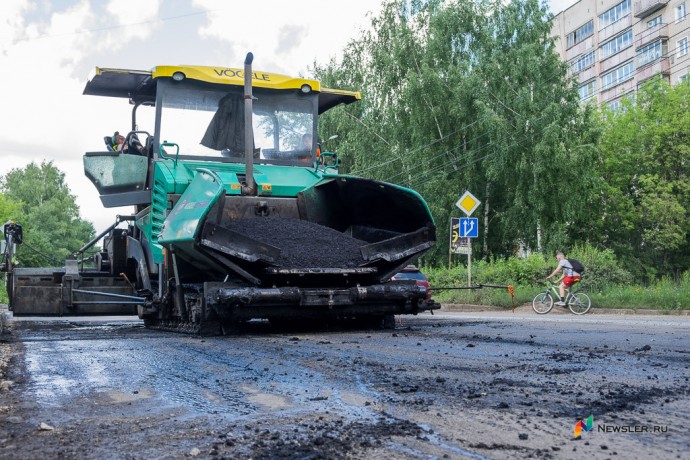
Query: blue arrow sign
x: 469, y: 227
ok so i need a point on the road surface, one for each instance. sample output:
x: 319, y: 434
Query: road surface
x: 462, y: 385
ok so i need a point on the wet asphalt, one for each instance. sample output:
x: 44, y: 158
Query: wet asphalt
x: 454, y: 385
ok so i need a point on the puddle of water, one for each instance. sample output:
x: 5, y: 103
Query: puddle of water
x: 119, y: 397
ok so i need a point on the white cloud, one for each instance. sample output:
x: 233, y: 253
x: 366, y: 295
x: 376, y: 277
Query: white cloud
x: 44, y: 115
x: 136, y: 18
x: 12, y: 21
x: 286, y: 37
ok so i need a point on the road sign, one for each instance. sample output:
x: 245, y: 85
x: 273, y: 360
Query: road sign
x: 468, y: 227
x: 458, y: 244
x: 454, y: 233
x: 464, y: 246
x: 468, y: 203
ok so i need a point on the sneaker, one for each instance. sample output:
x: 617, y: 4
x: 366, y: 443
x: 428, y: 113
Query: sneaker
x: 560, y: 303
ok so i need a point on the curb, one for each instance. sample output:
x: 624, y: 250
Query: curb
x: 466, y: 308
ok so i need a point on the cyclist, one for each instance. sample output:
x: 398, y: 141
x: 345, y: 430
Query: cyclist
x: 568, y: 278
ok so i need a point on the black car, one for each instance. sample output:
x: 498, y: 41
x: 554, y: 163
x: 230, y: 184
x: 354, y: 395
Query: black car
x: 413, y: 273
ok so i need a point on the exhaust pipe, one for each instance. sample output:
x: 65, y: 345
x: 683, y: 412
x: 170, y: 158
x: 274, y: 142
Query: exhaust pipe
x: 250, y: 185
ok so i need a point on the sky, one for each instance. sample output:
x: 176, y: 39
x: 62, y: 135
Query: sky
x: 49, y: 48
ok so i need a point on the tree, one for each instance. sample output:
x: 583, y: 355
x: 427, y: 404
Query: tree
x: 48, y: 213
x: 8, y: 209
x: 470, y: 96
x: 645, y: 160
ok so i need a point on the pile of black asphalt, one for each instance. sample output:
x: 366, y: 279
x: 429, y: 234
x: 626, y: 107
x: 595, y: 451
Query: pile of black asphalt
x: 303, y: 244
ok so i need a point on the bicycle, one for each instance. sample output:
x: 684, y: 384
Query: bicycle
x: 578, y: 302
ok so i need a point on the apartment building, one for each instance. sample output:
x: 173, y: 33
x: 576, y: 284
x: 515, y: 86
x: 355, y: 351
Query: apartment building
x: 614, y: 46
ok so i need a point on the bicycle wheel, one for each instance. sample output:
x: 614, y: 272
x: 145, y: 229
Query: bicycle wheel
x: 542, y: 303
x: 579, y: 303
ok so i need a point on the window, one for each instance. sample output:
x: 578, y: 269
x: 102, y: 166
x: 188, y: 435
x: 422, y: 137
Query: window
x: 682, y: 46
x: 684, y: 78
x: 616, y: 44
x: 680, y: 11
x: 580, y: 34
x: 617, y: 76
x: 650, y: 53
x: 582, y: 62
x: 587, y: 90
x: 614, y: 14
x: 208, y: 121
x: 657, y: 21
x: 615, y: 106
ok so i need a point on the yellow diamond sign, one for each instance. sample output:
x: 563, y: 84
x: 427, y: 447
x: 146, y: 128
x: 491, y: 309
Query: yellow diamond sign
x: 468, y: 203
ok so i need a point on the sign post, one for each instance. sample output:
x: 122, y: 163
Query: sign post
x: 467, y: 227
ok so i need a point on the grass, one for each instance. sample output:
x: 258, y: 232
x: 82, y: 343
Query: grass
x: 664, y: 295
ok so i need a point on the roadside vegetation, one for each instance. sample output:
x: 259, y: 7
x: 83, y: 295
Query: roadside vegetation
x: 608, y: 284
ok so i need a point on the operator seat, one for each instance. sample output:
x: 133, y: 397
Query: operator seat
x: 109, y: 143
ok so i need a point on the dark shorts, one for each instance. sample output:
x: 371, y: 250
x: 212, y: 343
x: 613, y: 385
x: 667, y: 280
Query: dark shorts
x: 570, y: 280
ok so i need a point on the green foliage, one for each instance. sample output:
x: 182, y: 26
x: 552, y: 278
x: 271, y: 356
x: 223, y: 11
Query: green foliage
x: 607, y: 282
x: 522, y: 274
x: 43, y: 204
x: 527, y: 275
x: 645, y: 162
x: 469, y: 96
x: 8, y: 209
x: 602, y: 268
x: 664, y: 294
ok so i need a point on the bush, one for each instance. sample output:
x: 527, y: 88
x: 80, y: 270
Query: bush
x: 523, y: 274
x: 602, y: 270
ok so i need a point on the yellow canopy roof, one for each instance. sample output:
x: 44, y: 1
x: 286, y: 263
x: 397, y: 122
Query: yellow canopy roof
x: 140, y: 85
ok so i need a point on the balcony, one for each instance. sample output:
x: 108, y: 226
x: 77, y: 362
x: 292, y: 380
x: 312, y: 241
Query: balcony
x: 615, y: 28
x: 580, y: 48
x: 644, y: 8
x: 660, y: 66
x: 616, y: 60
x: 651, y: 34
x: 618, y: 91
x: 587, y: 74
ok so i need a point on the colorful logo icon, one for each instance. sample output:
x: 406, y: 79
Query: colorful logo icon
x: 584, y: 425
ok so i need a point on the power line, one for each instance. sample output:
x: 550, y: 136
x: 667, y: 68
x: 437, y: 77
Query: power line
x: 468, y: 156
